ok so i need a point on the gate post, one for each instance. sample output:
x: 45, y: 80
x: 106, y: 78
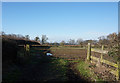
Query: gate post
x: 101, y: 59
x: 27, y: 49
x: 118, y: 71
x: 24, y: 47
x: 88, y: 52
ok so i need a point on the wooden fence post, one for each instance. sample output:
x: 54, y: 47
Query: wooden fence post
x: 101, y: 59
x: 24, y: 50
x: 27, y: 49
x: 88, y: 52
x: 118, y: 71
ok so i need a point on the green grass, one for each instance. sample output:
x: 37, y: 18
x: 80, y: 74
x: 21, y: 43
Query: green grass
x: 75, y: 61
x: 58, y: 68
x: 84, y: 70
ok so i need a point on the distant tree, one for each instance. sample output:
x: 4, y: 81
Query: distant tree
x: 2, y: 33
x: 79, y: 41
x: 62, y: 43
x: 37, y: 39
x: 71, y: 41
x: 113, y: 39
x: 55, y: 43
x: 19, y: 36
x: 27, y: 37
x: 103, y: 40
x: 44, y: 39
x: 88, y: 41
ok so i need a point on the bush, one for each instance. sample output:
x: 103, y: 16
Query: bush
x: 9, y: 50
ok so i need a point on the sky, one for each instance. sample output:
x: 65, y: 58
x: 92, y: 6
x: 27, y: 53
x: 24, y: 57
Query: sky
x: 60, y: 20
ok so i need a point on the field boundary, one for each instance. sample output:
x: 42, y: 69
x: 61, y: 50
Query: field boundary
x: 99, y: 51
x: 92, y: 59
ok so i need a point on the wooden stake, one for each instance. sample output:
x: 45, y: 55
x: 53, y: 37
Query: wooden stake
x: 88, y: 52
x: 102, y: 54
x: 118, y: 71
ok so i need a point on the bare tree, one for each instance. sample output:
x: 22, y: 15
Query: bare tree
x: 27, y: 37
x: 80, y: 42
x: 37, y: 38
x: 103, y: 40
x: 113, y: 39
x: 2, y: 33
x: 44, y: 39
x: 71, y: 41
x: 55, y: 43
x: 62, y: 43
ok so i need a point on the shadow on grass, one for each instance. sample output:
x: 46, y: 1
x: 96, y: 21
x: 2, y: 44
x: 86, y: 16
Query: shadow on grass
x: 40, y: 68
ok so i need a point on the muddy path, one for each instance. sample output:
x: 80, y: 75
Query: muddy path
x: 48, y: 70
x: 73, y: 75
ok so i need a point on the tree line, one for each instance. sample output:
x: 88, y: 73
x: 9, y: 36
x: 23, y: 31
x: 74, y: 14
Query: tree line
x: 43, y: 40
x: 111, y: 40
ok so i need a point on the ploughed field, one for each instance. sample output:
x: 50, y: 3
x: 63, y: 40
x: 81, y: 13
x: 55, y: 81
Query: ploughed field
x: 64, y: 52
x: 75, y: 53
x: 70, y: 53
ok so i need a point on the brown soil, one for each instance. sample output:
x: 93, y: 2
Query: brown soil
x: 103, y: 73
x: 70, y: 53
x: 105, y: 56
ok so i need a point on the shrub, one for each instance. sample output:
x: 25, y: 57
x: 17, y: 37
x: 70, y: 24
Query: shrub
x: 9, y: 50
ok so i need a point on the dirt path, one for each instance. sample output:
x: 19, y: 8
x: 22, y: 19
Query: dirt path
x: 47, y: 72
x: 74, y: 75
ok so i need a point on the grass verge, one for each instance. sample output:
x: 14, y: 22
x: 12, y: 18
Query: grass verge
x: 84, y: 70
